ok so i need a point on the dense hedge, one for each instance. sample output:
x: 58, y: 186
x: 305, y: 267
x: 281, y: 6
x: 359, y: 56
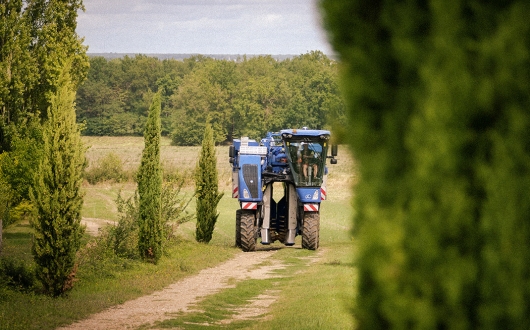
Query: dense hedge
x: 438, y: 106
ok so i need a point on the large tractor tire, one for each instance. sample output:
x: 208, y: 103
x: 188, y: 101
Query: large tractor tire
x: 248, y: 230
x: 310, y: 231
x: 238, y: 228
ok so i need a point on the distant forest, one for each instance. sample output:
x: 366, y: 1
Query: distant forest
x: 244, y: 96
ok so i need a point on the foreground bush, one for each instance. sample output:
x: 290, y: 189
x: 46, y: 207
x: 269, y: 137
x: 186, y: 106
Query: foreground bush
x: 438, y: 114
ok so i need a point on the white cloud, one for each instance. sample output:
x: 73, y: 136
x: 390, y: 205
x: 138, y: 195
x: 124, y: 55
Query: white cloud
x: 201, y: 26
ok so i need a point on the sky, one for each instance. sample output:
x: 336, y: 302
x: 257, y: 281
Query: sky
x: 273, y: 27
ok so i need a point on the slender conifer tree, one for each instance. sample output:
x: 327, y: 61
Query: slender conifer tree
x: 56, y: 193
x: 206, y: 189
x: 150, y: 188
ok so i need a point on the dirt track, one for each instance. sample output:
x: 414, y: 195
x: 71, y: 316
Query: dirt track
x: 181, y: 295
x: 93, y: 225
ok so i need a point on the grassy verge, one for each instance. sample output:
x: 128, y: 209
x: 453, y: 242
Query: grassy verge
x: 319, y: 297
x: 106, y: 285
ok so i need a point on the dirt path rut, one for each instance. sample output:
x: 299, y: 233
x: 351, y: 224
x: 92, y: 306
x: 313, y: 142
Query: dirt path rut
x: 181, y: 295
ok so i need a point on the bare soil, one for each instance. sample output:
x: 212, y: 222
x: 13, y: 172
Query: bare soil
x: 93, y: 225
x: 182, y: 295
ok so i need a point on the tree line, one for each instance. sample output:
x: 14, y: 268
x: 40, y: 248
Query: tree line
x: 246, y: 97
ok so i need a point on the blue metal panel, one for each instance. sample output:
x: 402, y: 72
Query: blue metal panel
x: 309, y: 195
x: 250, y: 178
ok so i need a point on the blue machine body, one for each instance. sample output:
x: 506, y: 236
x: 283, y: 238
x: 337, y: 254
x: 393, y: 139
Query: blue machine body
x: 273, y: 158
x: 250, y: 178
x: 296, y: 158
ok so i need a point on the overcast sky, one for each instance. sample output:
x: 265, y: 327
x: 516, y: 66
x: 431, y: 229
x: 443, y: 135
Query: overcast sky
x: 202, y: 26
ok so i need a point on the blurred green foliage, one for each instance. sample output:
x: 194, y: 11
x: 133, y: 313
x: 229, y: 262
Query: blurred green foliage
x: 438, y: 110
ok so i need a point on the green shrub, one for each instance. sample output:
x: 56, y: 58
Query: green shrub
x: 21, y: 212
x: 123, y: 236
x: 16, y: 275
x: 174, y: 207
x: 174, y: 174
x: 107, y: 168
x: 120, y: 240
x: 10, y: 214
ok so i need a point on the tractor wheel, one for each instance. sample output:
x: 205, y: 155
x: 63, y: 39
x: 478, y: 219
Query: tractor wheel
x: 238, y: 228
x: 310, y: 232
x: 248, y: 231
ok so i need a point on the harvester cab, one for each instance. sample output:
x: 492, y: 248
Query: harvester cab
x: 297, y: 160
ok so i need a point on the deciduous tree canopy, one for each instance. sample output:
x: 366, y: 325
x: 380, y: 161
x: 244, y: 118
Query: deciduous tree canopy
x: 249, y: 96
x: 37, y: 39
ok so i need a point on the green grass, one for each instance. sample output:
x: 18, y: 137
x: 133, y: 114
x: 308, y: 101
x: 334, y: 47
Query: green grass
x: 219, y: 307
x: 106, y: 286
x: 315, y: 297
x: 17, y: 242
x: 321, y: 297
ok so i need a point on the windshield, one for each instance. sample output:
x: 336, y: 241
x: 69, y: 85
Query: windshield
x: 307, y: 158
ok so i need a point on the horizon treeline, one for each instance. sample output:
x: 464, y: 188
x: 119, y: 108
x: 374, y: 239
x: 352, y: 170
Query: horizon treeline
x: 248, y: 97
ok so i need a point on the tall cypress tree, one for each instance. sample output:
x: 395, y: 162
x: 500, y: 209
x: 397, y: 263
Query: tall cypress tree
x: 56, y: 193
x: 438, y: 114
x: 150, y: 188
x: 206, y: 189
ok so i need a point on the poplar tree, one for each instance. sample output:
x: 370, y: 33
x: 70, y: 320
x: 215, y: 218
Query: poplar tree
x: 206, y: 188
x: 438, y: 118
x: 56, y: 193
x: 150, y: 188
